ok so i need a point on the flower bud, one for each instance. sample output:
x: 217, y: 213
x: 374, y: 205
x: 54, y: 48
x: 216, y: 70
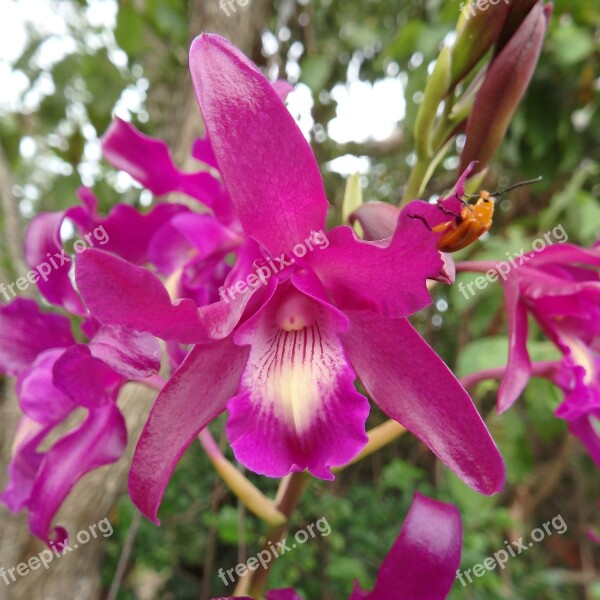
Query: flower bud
x: 518, y: 13
x: 503, y: 89
x: 482, y: 27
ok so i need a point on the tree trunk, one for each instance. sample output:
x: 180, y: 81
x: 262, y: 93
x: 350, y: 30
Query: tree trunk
x: 77, y: 575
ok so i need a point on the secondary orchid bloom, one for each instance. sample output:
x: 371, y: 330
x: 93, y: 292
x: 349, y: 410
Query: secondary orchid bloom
x: 560, y: 287
x: 124, y: 231
x: 421, y: 564
x: 581, y: 407
x: 55, y: 377
x: 282, y: 357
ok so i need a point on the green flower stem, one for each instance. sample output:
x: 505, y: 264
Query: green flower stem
x: 288, y: 497
x: 379, y: 437
x: 417, y: 180
x: 248, y: 494
x: 435, y: 92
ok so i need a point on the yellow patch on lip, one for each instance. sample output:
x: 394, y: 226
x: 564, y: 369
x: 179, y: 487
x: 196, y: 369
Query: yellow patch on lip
x: 582, y: 357
x: 295, y: 391
x: 172, y: 284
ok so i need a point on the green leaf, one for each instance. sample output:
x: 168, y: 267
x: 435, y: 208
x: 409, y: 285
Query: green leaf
x: 228, y: 525
x: 572, y: 44
x: 315, y: 71
x: 398, y: 474
x: 492, y: 352
x: 129, y: 31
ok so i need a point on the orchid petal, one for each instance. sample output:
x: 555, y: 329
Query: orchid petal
x: 261, y: 152
x: 377, y: 219
x: 39, y: 398
x: 282, y: 88
x: 98, y: 441
x: 25, y: 463
x: 423, y: 561
x: 412, y: 385
x: 391, y: 280
x: 43, y: 248
x: 25, y: 332
x: 195, y: 395
x: 518, y: 369
x: 132, y: 354
x: 85, y: 379
x: 587, y: 429
x: 125, y: 231
x: 202, y: 151
x: 119, y: 293
x: 567, y: 254
x: 297, y: 407
x: 187, y: 236
x: 129, y: 233
x: 149, y: 161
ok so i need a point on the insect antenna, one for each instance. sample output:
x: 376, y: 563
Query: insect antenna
x: 510, y: 188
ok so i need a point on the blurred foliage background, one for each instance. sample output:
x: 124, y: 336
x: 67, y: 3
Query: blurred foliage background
x: 80, y: 62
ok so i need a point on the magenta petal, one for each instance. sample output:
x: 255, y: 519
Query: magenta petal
x: 132, y: 354
x: 25, y: 332
x: 377, y: 219
x: 459, y: 189
x: 119, y: 293
x: 149, y: 161
x: 297, y: 407
x: 130, y: 232
x: 267, y: 165
x: 39, y: 398
x: 195, y: 395
x: 391, y: 280
x: 286, y: 594
x: 518, y: 369
x: 412, y: 385
x: 25, y: 463
x: 98, y: 441
x: 125, y: 231
x: 423, y: 561
x: 587, y: 429
x: 567, y: 254
x: 85, y: 379
x: 282, y: 88
x: 202, y: 150
x: 45, y: 254
x: 187, y: 236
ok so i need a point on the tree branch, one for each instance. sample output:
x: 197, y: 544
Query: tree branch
x: 13, y: 223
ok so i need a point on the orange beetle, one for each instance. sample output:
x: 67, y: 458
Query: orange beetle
x: 469, y: 226
x: 472, y: 222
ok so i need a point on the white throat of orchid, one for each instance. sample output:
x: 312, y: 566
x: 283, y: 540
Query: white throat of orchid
x: 298, y: 381
x: 296, y: 312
